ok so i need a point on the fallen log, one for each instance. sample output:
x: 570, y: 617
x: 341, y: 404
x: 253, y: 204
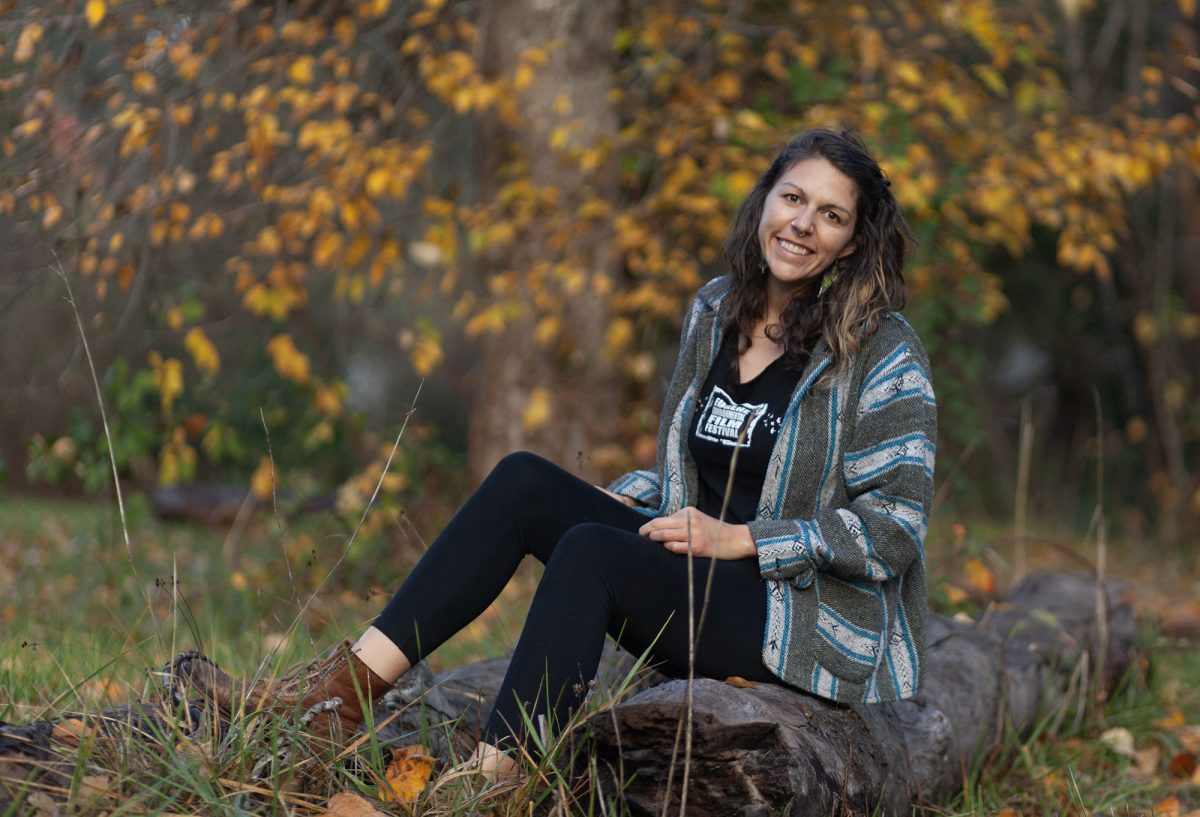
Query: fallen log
x: 774, y: 750
x: 763, y: 750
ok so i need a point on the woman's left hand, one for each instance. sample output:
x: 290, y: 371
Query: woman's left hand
x: 709, y: 537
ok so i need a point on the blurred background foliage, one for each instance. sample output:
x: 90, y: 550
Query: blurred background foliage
x: 279, y: 217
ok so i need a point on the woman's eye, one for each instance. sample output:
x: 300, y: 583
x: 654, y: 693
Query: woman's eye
x: 832, y: 216
x: 791, y: 198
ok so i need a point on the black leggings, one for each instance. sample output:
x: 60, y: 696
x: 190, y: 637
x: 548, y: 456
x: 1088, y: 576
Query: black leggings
x: 600, y: 577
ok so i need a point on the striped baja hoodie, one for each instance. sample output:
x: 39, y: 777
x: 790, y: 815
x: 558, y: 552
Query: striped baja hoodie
x: 841, y: 520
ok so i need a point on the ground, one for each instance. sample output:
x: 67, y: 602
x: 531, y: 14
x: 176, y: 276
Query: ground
x: 87, y: 620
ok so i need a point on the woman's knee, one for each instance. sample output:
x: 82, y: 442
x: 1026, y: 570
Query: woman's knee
x: 585, y: 549
x: 521, y: 467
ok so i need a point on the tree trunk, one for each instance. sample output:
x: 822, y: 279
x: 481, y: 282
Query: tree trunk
x: 568, y: 373
x: 773, y: 750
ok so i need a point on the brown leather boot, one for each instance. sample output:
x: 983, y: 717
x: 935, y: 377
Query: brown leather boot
x: 344, y: 686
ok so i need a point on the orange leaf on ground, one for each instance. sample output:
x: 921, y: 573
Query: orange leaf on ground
x: 406, y: 776
x: 980, y: 577
x: 94, y: 789
x: 345, y: 804
x: 740, y: 682
x: 1170, y: 807
x: 1007, y: 812
x: 72, y: 730
x: 1183, y: 764
x: 1172, y: 719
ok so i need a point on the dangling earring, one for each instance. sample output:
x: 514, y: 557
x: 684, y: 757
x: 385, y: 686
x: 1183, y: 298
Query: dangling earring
x: 828, y: 280
x: 762, y: 266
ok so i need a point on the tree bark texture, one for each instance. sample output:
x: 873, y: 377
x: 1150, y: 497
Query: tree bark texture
x: 774, y: 750
x: 570, y: 92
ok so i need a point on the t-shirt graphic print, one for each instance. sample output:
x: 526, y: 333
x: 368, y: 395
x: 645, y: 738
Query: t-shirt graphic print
x: 726, y: 408
x: 724, y: 420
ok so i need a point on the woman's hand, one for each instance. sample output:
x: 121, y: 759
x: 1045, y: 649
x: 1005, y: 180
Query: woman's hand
x: 624, y: 500
x: 709, y: 537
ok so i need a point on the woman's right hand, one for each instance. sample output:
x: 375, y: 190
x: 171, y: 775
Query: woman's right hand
x: 624, y: 500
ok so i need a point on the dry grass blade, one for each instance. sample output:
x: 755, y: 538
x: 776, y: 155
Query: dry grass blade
x: 297, y: 799
x: 1024, y: 459
x: 366, y: 510
x: 694, y: 626
x: 1101, y: 545
x: 112, y: 457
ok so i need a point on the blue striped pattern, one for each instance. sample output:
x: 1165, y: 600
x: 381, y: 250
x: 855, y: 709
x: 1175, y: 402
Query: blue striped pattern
x: 856, y: 643
x: 909, y: 449
x: 877, y: 569
x: 843, y: 510
x: 904, y: 512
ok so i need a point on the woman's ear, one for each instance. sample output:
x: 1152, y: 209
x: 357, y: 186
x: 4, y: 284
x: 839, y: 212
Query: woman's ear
x: 849, y: 248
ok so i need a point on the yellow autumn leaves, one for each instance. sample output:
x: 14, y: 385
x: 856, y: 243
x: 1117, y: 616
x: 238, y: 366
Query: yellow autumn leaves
x: 202, y: 350
x: 404, y: 780
x: 94, y: 11
x: 27, y: 41
x: 300, y: 161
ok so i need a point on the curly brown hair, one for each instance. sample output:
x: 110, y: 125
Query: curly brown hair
x: 868, y: 282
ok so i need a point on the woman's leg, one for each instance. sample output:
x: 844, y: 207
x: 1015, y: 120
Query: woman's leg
x: 524, y: 507
x: 604, y: 580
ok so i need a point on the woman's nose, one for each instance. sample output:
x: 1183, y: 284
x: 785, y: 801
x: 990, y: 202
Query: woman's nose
x: 802, y: 222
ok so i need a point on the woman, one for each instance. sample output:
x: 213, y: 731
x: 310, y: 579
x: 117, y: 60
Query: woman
x: 795, y: 449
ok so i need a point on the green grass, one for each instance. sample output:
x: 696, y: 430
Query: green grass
x: 84, y: 629
x: 83, y: 625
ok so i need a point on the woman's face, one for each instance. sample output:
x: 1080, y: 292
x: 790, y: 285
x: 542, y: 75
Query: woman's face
x: 807, y: 223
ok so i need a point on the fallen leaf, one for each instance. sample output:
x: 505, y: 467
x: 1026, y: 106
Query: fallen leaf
x: 740, y: 682
x: 346, y: 804
x: 1183, y: 764
x: 1045, y: 618
x: 72, y: 730
x: 1189, y: 736
x: 1052, y: 782
x: 406, y: 776
x: 980, y: 577
x: 200, y: 752
x: 43, y: 804
x: 1172, y: 719
x: 1007, y: 812
x: 93, y: 790
x: 955, y: 594
x: 1168, y: 808
x: 1146, y: 760
x: 1119, y: 740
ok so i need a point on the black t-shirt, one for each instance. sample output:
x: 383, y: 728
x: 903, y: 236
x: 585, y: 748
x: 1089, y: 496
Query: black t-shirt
x: 725, y: 408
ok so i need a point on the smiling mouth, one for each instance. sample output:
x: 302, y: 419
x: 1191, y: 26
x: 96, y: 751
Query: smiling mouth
x: 794, y: 249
